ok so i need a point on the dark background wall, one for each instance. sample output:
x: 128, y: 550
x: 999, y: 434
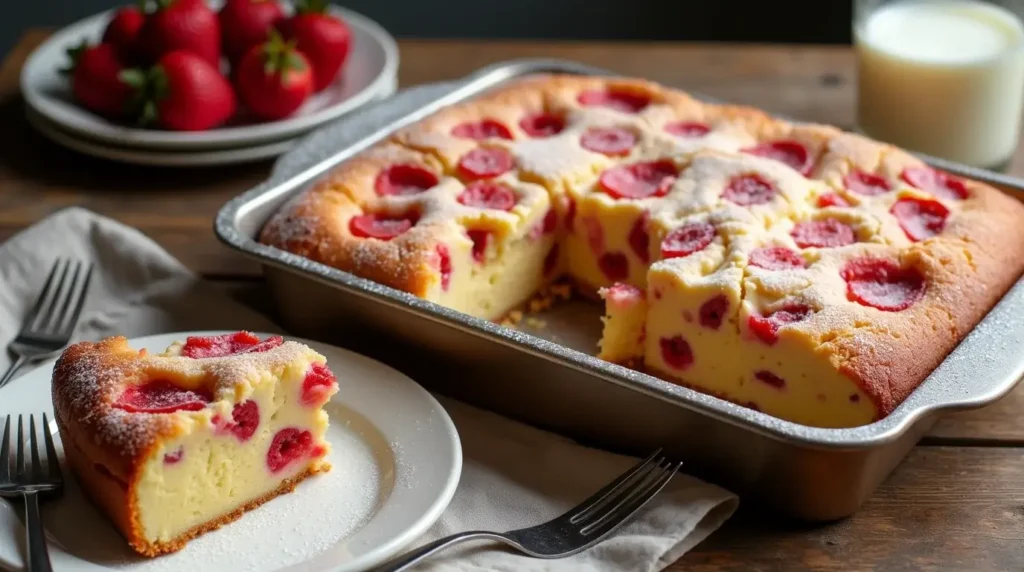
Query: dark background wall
x: 799, y: 21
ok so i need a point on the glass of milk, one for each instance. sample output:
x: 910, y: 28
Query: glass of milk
x: 942, y: 77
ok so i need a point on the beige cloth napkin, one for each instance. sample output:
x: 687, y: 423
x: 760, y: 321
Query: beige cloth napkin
x: 513, y: 475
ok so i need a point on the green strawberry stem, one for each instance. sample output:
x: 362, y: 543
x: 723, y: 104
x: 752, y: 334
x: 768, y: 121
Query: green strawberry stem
x: 280, y: 56
x: 74, y: 53
x: 159, y: 4
x: 311, y: 6
x: 150, y: 86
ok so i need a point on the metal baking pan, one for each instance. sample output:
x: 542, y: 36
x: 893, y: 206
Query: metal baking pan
x: 549, y: 377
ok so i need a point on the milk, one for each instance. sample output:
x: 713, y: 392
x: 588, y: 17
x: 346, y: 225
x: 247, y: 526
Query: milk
x: 944, y: 78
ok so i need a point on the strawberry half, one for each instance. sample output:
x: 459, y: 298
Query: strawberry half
x: 95, y: 73
x: 182, y: 92
x: 274, y: 79
x: 188, y: 25
x: 246, y: 23
x: 324, y: 39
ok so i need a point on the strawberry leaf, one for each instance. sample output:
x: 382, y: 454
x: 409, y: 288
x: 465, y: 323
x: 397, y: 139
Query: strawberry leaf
x: 150, y: 87
x: 293, y: 61
x: 311, y: 6
x: 74, y: 53
x: 159, y: 87
x: 134, y: 77
x: 280, y: 56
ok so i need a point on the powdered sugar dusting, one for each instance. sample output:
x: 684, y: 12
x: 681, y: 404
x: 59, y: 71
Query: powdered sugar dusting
x: 321, y: 512
x: 88, y: 378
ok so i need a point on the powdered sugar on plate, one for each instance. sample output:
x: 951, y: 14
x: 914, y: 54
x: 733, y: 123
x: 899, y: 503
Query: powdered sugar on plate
x: 292, y: 528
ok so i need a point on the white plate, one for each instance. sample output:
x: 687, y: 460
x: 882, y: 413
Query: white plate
x: 169, y: 158
x: 371, y: 67
x: 159, y: 158
x: 397, y: 461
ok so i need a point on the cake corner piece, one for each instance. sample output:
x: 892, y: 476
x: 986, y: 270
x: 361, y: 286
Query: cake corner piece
x: 141, y: 432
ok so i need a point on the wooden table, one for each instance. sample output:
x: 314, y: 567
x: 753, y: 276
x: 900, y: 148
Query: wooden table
x: 956, y: 503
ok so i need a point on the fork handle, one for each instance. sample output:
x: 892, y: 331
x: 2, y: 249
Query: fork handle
x: 412, y: 557
x: 38, y: 558
x: 19, y: 361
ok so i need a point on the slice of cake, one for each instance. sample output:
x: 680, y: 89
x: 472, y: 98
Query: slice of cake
x: 625, y: 322
x: 173, y: 445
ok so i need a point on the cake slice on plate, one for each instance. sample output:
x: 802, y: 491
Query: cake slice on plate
x: 174, y: 445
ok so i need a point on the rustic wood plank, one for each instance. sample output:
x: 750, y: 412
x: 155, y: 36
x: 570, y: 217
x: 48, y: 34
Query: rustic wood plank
x: 1000, y: 422
x: 944, y: 508
x: 814, y: 84
x: 11, y: 66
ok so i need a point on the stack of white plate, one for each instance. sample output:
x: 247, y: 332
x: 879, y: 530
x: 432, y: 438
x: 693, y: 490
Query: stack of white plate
x: 370, y: 74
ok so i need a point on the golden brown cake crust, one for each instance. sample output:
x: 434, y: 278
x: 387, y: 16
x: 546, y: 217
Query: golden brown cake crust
x: 967, y: 267
x: 87, y: 380
x: 107, y: 447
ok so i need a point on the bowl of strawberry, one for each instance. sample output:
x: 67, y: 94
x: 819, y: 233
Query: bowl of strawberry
x: 189, y: 75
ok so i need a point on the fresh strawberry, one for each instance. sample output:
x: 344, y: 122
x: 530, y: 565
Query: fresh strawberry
x: 324, y: 39
x: 123, y: 30
x: 182, y: 92
x: 274, y: 79
x: 95, y: 79
x: 245, y: 23
x: 188, y: 25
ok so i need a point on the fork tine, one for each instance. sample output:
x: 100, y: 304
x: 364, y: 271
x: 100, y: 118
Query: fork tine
x: 58, y: 306
x: 83, y: 293
x: 69, y: 296
x: 19, y: 457
x: 586, y: 508
x: 52, y: 299
x: 52, y: 463
x: 43, y: 295
x: 5, y: 453
x: 631, y: 502
x: 37, y: 469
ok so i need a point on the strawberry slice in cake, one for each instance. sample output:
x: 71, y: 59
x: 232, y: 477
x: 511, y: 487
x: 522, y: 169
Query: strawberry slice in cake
x: 173, y: 445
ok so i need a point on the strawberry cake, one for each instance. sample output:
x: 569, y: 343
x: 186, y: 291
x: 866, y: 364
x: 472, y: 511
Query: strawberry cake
x: 173, y: 445
x: 813, y: 274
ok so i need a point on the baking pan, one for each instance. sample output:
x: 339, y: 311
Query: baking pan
x: 548, y: 376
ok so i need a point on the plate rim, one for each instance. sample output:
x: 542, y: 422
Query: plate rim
x: 395, y: 545
x: 100, y: 130
x: 154, y: 158
x: 172, y: 157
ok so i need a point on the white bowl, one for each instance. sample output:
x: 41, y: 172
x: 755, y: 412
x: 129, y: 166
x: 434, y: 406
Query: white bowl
x: 371, y: 69
x: 168, y: 157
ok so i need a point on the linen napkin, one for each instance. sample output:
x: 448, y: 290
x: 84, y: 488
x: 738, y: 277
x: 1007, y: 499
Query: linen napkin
x: 513, y: 475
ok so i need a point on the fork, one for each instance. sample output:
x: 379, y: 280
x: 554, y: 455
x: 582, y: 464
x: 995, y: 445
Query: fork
x: 29, y: 482
x: 578, y: 529
x: 51, y: 322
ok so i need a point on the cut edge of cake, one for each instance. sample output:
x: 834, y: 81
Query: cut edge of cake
x: 141, y: 430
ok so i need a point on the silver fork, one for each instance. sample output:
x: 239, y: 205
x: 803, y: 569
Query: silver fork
x: 51, y: 322
x: 578, y: 529
x: 29, y: 482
